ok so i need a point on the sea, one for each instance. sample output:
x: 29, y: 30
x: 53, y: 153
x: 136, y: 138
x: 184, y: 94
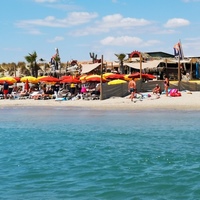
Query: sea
x: 55, y: 153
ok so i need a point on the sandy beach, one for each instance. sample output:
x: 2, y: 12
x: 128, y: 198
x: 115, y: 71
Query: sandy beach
x: 187, y: 101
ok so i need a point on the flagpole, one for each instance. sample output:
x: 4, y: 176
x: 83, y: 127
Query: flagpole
x: 140, y: 66
x: 179, y: 65
x: 101, y: 81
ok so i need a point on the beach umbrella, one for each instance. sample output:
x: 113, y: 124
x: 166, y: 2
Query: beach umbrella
x: 70, y: 80
x: 137, y: 75
x: 31, y: 79
x: 150, y: 76
x: 17, y: 79
x: 117, y: 81
x: 114, y: 76
x: 2, y: 82
x: 82, y: 77
x: 65, y: 77
x: 126, y: 78
x: 94, y: 78
x: 8, y: 79
x: 106, y: 74
x: 134, y: 75
x: 40, y: 77
x: 49, y: 79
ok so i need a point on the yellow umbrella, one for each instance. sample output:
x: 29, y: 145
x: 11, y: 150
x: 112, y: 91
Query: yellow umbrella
x: 30, y: 79
x: 127, y: 78
x: 41, y: 77
x: 116, y: 81
x: 9, y: 79
x: 107, y: 74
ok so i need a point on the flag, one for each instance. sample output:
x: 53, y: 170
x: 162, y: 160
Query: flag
x: 178, y: 51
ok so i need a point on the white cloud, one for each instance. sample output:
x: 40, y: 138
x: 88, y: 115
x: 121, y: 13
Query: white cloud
x: 119, y: 41
x: 73, y: 19
x: 56, y: 39
x: 118, y: 20
x: 111, y: 22
x: 176, y: 22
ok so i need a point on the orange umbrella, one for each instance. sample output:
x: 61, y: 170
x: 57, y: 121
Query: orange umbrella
x: 126, y: 78
x: 31, y: 79
x: 114, y: 76
x: 137, y: 75
x: 65, y: 77
x: 70, y: 79
x: 94, y: 78
x: 49, y: 79
x: 2, y: 82
x: 17, y: 79
x: 8, y: 79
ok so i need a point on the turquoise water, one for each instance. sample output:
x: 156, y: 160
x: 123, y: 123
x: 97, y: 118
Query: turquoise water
x: 62, y: 153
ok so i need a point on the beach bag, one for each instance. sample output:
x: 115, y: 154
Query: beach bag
x: 174, y: 93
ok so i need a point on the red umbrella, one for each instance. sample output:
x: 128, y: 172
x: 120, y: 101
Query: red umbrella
x: 2, y: 82
x: 17, y: 79
x: 150, y: 76
x: 49, y: 79
x: 137, y: 75
x: 70, y: 80
x: 115, y: 76
x: 94, y: 78
x: 134, y: 75
x: 65, y: 77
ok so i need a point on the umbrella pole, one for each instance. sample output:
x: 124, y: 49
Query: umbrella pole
x: 101, y: 88
x: 140, y: 65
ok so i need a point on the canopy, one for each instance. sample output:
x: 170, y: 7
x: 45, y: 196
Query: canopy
x: 89, y: 67
x: 148, y: 64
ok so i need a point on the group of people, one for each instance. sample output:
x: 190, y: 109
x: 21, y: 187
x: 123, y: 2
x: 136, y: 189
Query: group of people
x: 157, y: 90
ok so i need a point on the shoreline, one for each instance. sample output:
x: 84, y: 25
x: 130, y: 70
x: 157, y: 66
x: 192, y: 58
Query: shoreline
x: 187, y: 101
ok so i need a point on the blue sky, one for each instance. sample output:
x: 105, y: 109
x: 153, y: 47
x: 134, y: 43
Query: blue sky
x: 105, y: 27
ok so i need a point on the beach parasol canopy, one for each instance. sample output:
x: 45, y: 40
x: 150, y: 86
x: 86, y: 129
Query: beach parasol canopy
x: 114, y: 76
x: 117, y: 81
x: 94, y: 78
x: 82, y: 77
x: 48, y: 79
x: 65, y: 77
x: 2, y: 82
x: 17, y: 78
x: 31, y: 79
x: 126, y: 78
x: 137, y: 75
x: 8, y: 79
x: 70, y: 79
x: 106, y: 74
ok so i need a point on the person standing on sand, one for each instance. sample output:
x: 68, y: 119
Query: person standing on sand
x: 5, y: 90
x: 132, y: 88
x: 166, y: 84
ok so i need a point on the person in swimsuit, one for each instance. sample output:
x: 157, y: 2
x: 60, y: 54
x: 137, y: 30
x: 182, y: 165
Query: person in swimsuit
x: 166, y: 84
x: 132, y: 88
x: 5, y: 90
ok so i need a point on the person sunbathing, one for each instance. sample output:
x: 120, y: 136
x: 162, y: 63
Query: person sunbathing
x: 157, y: 90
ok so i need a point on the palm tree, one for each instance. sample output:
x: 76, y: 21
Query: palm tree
x: 121, y: 58
x: 57, y: 60
x: 31, y: 59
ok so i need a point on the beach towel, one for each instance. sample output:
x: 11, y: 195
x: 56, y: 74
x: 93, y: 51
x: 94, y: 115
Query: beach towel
x: 174, y: 93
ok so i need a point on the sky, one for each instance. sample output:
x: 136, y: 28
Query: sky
x: 103, y: 27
